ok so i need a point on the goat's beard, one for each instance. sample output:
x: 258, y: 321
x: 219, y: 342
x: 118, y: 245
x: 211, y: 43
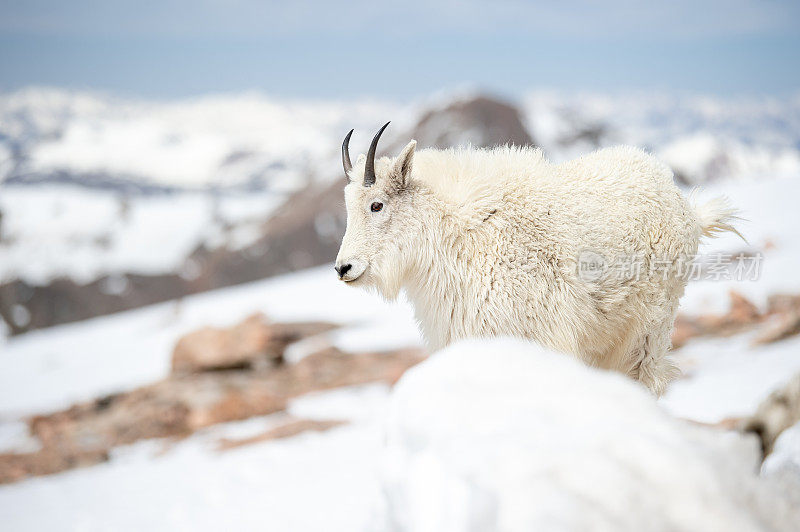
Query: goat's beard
x: 386, y: 275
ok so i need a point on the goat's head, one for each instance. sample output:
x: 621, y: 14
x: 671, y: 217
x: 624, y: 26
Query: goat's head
x: 380, y: 215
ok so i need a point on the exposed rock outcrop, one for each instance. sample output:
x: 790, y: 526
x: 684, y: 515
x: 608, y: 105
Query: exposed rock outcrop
x: 480, y: 121
x: 253, y: 343
x: 780, y: 321
x: 775, y: 414
x: 741, y: 316
x: 220, y: 375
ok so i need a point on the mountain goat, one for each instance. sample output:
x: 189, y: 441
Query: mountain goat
x: 503, y: 242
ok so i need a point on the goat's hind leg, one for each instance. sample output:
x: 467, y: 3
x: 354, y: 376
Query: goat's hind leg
x: 648, y: 360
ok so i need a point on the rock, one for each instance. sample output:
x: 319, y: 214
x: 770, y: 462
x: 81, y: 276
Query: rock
x: 784, y: 322
x: 742, y: 312
x: 783, y: 303
x: 15, y: 467
x: 742, y: 315
x: 184, y: 403
x: 684, y: 330
x: 780, y: 321
x: 212, y: 348
x: 480, y: 121
x: 253, y: 342
x: 780, y: 328
x: 775, y: 414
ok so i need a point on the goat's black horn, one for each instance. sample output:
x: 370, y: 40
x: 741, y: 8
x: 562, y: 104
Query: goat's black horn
x: 348, y: 166
x: 369, y: 167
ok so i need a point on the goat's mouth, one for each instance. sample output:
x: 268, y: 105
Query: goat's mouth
x: 354, y: 279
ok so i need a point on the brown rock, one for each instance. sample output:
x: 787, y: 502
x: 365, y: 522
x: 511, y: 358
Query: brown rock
x: 775, y: 414
x: 480, y: 121
x: 783, y: 303
x: 780, y: 328
x: 684, y: 330
x: 252, y: 343
x: 743, y: 315
x: 184, y: 403
x: 212, y: 348
x: 782, y: 320
x: 14, y: 467
x: 742, y: 311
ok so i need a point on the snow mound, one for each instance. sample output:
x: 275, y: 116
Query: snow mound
x: 504, y: 435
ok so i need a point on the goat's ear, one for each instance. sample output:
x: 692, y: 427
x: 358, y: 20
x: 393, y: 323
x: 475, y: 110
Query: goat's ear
x: 401, y: 171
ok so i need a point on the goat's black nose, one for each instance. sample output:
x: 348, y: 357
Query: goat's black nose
x: 343, y: 269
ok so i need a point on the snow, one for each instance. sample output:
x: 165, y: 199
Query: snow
x: 15, y: 438
x: 309, y: 482
x: 728, y: 377
x: 50, y: 369
x: 504, y: 435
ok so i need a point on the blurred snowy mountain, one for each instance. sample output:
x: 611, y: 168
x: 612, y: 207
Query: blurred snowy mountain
x: 702, y: 138
x: 254, y: 141
x: 242, y: 141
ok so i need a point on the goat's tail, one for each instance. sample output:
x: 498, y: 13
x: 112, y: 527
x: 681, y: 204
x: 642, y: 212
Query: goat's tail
x: 715, y: 216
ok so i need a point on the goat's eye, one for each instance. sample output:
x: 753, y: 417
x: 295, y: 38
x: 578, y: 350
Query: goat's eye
x: 376, y: 206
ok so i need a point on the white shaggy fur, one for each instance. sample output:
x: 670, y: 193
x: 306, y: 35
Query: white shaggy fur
x: 486, y: 243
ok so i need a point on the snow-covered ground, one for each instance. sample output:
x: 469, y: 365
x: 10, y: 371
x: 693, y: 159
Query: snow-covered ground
x: 311, y: 482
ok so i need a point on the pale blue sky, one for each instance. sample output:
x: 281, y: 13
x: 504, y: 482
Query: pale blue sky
x: 311, y: 48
